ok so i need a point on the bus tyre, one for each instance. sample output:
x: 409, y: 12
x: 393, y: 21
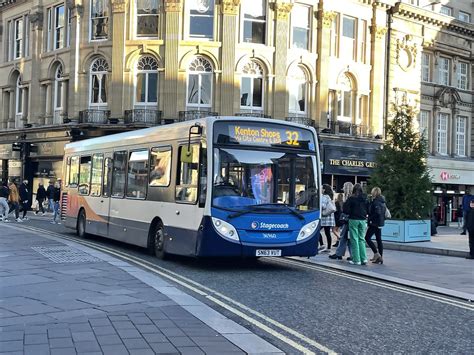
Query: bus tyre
x: 159, y: 241
x: 81, y: 225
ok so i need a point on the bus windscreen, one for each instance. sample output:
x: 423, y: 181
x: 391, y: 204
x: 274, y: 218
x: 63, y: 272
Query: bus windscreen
x: 263, y: 135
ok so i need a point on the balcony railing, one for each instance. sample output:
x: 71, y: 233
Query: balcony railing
x: 301, y: 120
x: 143, y: 115
x: 252, y: 114
x: 194, y: 114
x: 346, y: 128
x: 94, y: 116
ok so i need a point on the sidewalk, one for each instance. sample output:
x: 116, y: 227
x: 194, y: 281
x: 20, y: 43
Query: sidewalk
x: 447, y: 242
x: 59, y: 297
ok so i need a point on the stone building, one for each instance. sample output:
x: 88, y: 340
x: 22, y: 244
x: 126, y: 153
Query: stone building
x: 76, y: 69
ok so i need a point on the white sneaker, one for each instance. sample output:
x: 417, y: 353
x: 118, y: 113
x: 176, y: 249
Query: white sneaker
x: 52, y: 222
x: 58, y: 222
x: 6, y: 220
x: 354, y: 263
x: 44, y: 213
x: 25, y: 218
x: 19, y: 220
x: 322, y: 248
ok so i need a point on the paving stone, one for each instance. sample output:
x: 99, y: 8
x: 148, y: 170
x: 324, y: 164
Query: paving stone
x: 41, y: 349
x: 172, y: 332
x: 60, y: 343
x: 63, y: 351
x: 31, y: 339
x: 155, y: 338
x: 141, y: 320
x: 190, y: 350
x: 11, y: 345
x: 141, y: 351
x: 138, y: 343
x: 96, y: 322
x: 146, y: 328
x: 123, y: 325
x: 114, y: 350
x: 109, y: 339
x: 83, y: 336
x: 59, y: 333
x: 117, y: 318
x: 128, y: 333
x: 105, y: 330
x: 164, y: 323
x: 86, y: 346
x: 164, y: 348
x: 80, y: 327
x: 181, y: 341
x: 17, y: 335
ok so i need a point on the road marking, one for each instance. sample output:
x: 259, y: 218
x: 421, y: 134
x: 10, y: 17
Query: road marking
x: 378, y: 283
x: 187, y: 283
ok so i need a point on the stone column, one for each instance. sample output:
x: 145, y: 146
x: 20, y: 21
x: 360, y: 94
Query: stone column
x: 280, y: 103
x: 11, y: 114
x: 36, y: 20
x: 171, y: 40
x: 229, y: 9
x: 48, y: 117
x: 376, y: 105
x: 5, y: 108
x: 24, y: 108
x: 74, y: 97
x: 325, y: 19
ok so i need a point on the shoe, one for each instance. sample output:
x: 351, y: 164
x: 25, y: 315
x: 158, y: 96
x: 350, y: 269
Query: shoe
x: 52, y: 222
x: 335, y: 257
x: 463, y: 233
x: 336, y: 244
x: 19, y: 220
x: 25, y: 218
x: 470, y: 257
x: 58, y: 222
x: 354, y: 263
x: 44, y: 213
x: 364, y: 263
x: 36, y: 213
x: 349, y: 258
x: 322, y: 248
x: 6, y: 220
x: 376, y: 258
x: 326, y: 250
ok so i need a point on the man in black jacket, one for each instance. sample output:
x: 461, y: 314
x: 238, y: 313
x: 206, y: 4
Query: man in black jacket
x: 40, y: 197
x: 50, y: 196
x: 24, y: 198
x: 470, y: 229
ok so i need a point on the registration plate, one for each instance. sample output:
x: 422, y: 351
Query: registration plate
x: 268, y: 252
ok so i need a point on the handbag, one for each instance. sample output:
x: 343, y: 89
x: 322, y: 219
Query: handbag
x: 388, y: 215
x: 344, y: 218
x: 330, y: 208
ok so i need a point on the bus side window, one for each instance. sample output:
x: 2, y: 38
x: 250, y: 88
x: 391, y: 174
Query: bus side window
x: 107, y: 180
x: 160, y: 166
x: 74, y: 172
x: 118, y: 174
x: 96, y: 181
x: 68, y: 171
x: 85, y: 175
x: 187, y: 176
x: 137, y: 177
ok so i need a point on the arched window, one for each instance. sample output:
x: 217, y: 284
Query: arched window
x: 57, y: 100
x: 199, y: 84
x: 146, y: 82
x: 98, y: 82
x: 345, y: 99
x: 251, y: 87
x: 298, y: 92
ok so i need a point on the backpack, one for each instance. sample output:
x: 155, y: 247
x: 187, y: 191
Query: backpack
x: 378, y: 217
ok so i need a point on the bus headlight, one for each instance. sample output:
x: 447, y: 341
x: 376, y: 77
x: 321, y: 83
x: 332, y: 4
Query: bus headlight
x: 225, y: 229
x: 307, y: 230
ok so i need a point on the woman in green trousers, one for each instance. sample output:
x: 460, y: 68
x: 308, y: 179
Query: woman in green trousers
x: 357, y: 207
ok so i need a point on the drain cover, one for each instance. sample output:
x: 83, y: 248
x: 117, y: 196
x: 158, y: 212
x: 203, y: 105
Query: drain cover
x: 65, y: 254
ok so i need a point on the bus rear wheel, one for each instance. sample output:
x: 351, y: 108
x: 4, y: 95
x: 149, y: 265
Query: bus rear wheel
x: 159, y: 242
x: 81, y: 225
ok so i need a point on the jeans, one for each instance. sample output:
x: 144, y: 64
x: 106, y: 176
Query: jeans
x: 56, y: 211
x: 378, y: 236
x: 15, y: 207
x: 357, y: 229
x: 4, y: 209
x: 343, y: 242
x: 50, y: 204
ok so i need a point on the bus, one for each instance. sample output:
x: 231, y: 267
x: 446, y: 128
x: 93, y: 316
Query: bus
x: 211, y: 187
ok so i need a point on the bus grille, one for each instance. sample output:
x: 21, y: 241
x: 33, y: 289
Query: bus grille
x: 64, y: 198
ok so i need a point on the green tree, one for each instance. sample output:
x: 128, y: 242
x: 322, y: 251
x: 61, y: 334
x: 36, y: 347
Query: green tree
x: 401, y: 171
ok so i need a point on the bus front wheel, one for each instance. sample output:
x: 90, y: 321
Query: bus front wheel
x: 81, y: 225
x: 159, y: 242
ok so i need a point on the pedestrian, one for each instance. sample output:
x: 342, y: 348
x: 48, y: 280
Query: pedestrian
x: 344, y: 235
x: 40, y: 197
x: 459, y: 216
x: 465, y: 208
x: 337, y: 217
x: 14, y: 199
x: 434, y: 222
x: 327, y: 216
x: 376, y: 221
x: 357, y: 208
x: 470, y: 228
x: 4, y: 209
x: 24, y: 198
x: 50, y: 195
x: 56, y: 198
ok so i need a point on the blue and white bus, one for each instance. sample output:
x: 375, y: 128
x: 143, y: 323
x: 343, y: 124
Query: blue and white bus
x: 217, y: 186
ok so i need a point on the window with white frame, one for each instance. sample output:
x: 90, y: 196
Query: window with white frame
x: 462, y: 75
x: 363, y: 41
x: 201, y: 22
x: 300, y: 26
x: 461, y: 136
x: 345, y: 99
x: 251, y: 88
x: 199, y: 94
x: 99, y: 25
x: 255, y: 18
x: 442, y: 135
x: 334, y: 51
x: 18, y: 97
x: 297, y: 90
x: 348, y: 40
x: 444, y: 65
x: 18, y: 38
x: 146, y: 81
x: 59, y: 25
x: 98, y: 82
x: 464, y: 16
x: 147, y: 18
x: 423, y: 122
x: 446, y: 10
x: 425, y: 67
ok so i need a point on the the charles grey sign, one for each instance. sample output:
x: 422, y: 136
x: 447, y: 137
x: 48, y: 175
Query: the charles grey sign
x: 348, y: 161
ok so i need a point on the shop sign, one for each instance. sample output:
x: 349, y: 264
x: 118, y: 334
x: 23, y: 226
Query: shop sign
x: 447, y: 176
x: 348, y: 161
x: 49, y: 149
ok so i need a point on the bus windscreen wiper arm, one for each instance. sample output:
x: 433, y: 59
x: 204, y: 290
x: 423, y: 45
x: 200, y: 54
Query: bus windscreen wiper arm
x: 293, y: 211
x: 253, y: 208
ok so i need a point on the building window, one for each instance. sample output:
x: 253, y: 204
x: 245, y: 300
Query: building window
x: 348, y: 37
x: 345, y: 99
x: 363, y: 41
x: 199, y: 84
x: 98, y: 82
x: 146, y: 82
x: 58, y: 107
x: 251, y: 88
x: 425, y: 67
x: 301, y: 27
x: 147, y: 18
x: 464, y: 16
x: 444, y: 67
x: 18, y: 97
x: 59, y: 23
x: 298, y: 92
x: 99, y: 20
x: 461, y: 136
x: 423, y: 122
x: 255, y: 18
x: 201, y: 19
x: 18, y: 38
x: 462, y: 75
x: 334, y: 51
x: 443, y: 133
x: 445, y: 10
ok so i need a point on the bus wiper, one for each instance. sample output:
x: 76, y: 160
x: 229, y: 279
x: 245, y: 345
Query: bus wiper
x: 253, y: 208
x: 293, y: 211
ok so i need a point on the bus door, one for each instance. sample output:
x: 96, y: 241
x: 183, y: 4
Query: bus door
x: 104, y: 206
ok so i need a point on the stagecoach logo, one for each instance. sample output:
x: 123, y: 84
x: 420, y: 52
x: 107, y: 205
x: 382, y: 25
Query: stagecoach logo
x: 269, y: 226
